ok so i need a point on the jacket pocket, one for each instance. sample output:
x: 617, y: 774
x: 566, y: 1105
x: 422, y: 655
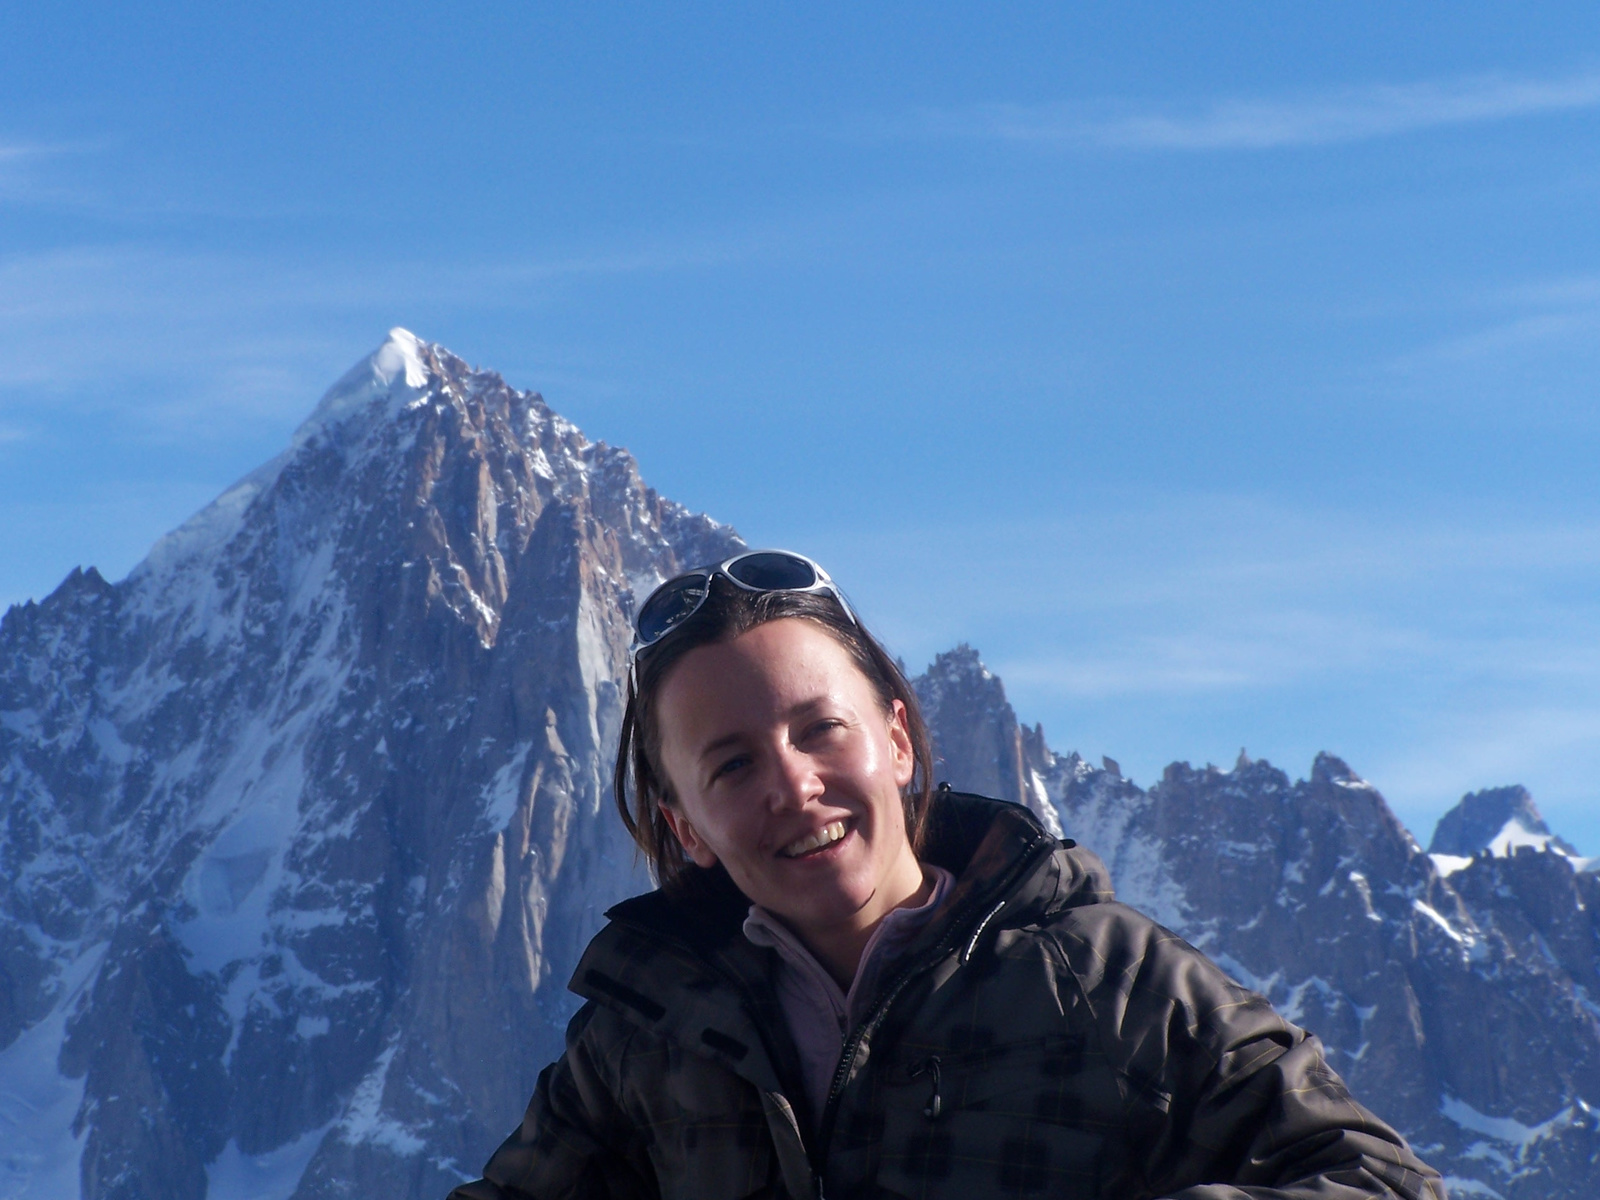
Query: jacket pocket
x: 709, y: 1156
x: 707, y: 1130
x: 1017, y: 1118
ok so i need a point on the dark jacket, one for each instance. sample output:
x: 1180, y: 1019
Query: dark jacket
x: 1037, y: 1038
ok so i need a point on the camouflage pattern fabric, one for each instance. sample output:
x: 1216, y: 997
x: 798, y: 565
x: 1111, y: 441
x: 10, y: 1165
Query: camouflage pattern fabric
x: 1037, y: 1039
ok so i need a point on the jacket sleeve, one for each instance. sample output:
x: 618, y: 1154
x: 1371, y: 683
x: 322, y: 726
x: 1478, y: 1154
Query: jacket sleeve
x: 574, y: 1142
x: 1227, y: 1099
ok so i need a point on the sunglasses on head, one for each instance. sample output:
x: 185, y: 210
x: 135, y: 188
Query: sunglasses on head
x: 679, y: 598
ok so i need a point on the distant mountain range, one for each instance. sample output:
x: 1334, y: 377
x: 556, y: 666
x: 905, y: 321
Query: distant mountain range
x: 307, y: 819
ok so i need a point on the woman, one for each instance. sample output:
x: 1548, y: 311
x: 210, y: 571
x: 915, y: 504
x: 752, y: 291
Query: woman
x: 850, y: 984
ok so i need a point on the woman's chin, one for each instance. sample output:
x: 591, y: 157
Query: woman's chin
x: 827, y: 901
x: 828, y: 888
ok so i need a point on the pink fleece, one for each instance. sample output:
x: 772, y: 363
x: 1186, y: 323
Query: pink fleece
x: 818, y: 1012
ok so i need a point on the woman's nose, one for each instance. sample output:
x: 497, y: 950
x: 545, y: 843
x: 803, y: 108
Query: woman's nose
x: 797, y: 782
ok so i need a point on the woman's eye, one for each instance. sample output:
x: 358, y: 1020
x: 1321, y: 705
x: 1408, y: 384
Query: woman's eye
x: 730, y: 766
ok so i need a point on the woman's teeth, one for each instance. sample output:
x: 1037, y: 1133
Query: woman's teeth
x: 827, y: 835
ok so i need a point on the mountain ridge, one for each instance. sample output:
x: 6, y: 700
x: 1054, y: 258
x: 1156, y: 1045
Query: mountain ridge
x: 307, y: 819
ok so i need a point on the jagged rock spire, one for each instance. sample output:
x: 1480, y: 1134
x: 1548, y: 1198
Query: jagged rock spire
x: 1496, y: 820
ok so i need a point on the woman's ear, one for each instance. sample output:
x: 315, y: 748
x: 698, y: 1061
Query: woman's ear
x: 688, y: 837
x: 905, y: 758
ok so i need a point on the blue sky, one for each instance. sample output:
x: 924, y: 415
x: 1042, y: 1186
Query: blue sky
x: 1223, y: 372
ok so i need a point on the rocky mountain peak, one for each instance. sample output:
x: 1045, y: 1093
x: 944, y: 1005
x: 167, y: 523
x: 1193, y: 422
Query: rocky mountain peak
x: 331, y: 758
x: 1329, y: 768
x: 1496, y: 821
x: 978, y: 743
x: 395, y: 375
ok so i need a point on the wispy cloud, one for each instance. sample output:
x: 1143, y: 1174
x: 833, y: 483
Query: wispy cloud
x: 1216, y: 597
x: 86, y: 178
x: 1493, y: 747
x: 1505, y: 339
x: 1258, y: 648
x: 1345, y: 115
x: 15, y: 160
x: 181, y: 343
x: 1513, y: 336
x: 102, y: 521
x: 23, y: 181
x: 1546, y: 293
x: 13, y: 153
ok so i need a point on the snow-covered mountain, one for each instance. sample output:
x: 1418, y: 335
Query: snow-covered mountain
x: 306, y: 821
x: 1497, y: 821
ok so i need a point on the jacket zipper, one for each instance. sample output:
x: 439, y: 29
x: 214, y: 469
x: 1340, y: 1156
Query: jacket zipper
x: 957, y: 931
x: 816, y: 1153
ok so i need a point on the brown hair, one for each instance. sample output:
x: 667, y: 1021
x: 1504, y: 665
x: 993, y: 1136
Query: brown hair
x: 641, y: 783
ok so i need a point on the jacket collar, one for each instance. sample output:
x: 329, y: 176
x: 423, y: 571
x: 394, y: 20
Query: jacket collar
x: 680, y: 963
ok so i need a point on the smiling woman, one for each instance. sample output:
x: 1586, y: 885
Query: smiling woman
x: 850, y: 984
x: 789, y: 775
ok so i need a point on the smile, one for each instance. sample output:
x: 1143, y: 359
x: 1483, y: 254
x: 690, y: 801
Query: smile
x: 825, y: 836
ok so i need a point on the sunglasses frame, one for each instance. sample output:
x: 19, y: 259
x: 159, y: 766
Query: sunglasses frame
x: 823, y: 583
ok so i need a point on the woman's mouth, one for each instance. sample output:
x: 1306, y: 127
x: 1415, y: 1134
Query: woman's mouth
x: 812, y: 842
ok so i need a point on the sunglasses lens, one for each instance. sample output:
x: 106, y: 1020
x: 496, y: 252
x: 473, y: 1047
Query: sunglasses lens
x: 669, y: 606
x: 772, y: 572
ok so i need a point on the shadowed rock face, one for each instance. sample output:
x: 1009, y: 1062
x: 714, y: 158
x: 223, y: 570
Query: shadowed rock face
x: 304, y: 823
x: 977, y: 739
x: 1461, y: 1007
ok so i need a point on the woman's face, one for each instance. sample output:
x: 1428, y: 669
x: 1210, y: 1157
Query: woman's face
x: 786, y: 770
